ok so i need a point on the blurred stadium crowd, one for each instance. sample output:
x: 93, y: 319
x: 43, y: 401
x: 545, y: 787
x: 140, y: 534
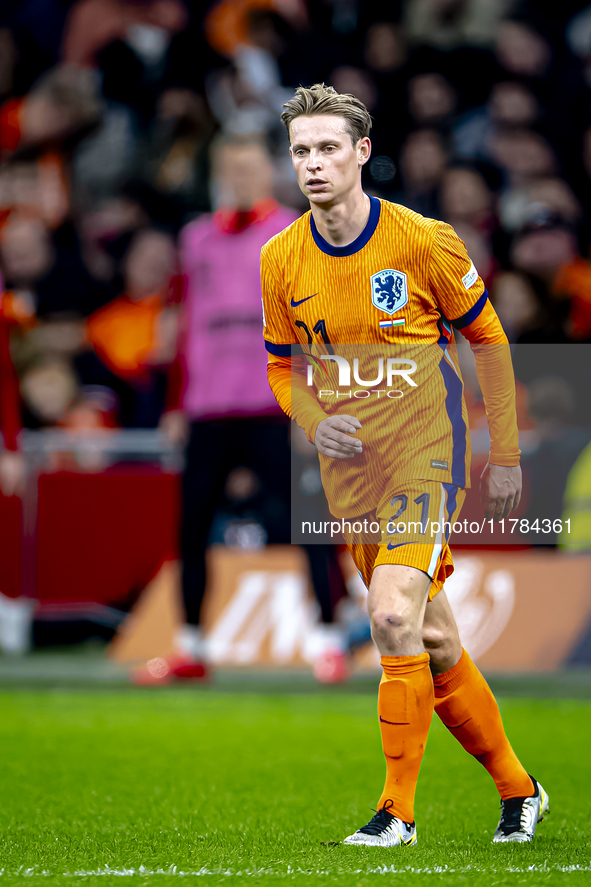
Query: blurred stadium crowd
x: 134, y: 132
x: 113, y: 122
x: 112, y: 129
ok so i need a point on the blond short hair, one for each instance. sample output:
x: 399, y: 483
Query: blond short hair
x: 320, y: 99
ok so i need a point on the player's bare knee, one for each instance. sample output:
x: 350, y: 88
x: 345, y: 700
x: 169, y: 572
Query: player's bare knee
x: 434, y: 639
x: 391, y: 631
x: 443, y: 647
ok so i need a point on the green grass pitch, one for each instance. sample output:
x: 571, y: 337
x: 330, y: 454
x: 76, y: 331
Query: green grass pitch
x: 205, y: 787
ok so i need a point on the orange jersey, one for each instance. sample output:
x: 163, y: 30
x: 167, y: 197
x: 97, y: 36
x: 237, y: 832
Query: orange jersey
x: 403, y: 283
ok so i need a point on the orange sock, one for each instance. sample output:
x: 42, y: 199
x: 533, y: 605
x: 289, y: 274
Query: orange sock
x: 405, y: 708
x: 467, y: 707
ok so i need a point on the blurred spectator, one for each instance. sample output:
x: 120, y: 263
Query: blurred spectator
x: 543, y: 245
x: 549, y: 194
x: 431, y: 99
x: 543, y: 248
x: 422, y: 162
x: 8, y: 54
x: 25, y: 252
x: 521, y: 50
x: 105, y: 229
x: 146, y: 26
x: 522, y: 155
x: 248, y: 95
x: 465, y: 199
x: 34, y: 184
x: 133, y: 337
x: 510, y: 105
x: 451, y: 23
x: 532, y: 49
x: 49, y: 390
x: 61, y: 103
x: 36, y: 30
x: 106, y: 159
x: 11, y: 460
x: 96, y: 408
x: 47, y: 347
x: 48, y: 266
x: 129, y: 42
x: 516, y: 303
x: 386, y: 56
x: 177, y: 161
x: 578, y: 35
x: 347, y: 79
x: 16, y: 613
x: 385, y: 50
x: 573, y: 280
x: 229, y: 23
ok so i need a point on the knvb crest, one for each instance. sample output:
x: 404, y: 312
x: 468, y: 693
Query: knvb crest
x: 389, y: 292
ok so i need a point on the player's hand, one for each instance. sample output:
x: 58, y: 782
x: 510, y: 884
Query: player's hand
x: 500, y: 490
x: 332, y: 437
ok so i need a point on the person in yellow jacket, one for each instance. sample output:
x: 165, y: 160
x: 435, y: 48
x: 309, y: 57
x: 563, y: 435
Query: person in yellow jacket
x: 576, y: 535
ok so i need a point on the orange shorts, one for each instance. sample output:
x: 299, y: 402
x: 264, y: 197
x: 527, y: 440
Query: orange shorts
x: 415, y: 523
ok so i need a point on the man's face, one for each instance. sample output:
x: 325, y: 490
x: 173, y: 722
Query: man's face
x: 26, y: 251
x: 244, y: 175
x: 326, y: 162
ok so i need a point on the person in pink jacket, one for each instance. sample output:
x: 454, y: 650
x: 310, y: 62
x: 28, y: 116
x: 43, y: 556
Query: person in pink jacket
x: 220, y: 399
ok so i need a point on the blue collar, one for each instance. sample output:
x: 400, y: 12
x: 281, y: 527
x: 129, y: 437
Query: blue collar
x: 351, y: 248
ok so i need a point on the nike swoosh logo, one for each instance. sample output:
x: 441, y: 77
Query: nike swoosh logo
x: 295, y: 304
x: 392, y: 723
x: 391, y: 546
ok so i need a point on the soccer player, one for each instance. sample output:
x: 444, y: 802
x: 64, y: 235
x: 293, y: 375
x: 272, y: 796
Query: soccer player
x: 356, y: 269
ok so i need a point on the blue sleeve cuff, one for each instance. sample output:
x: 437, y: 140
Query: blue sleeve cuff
x: 282, y: 350
x: 470, y: 316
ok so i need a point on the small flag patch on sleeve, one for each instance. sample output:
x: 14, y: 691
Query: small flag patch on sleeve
x: 400, y: 321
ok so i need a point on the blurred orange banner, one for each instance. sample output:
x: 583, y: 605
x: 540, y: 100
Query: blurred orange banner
x: 522, y: 611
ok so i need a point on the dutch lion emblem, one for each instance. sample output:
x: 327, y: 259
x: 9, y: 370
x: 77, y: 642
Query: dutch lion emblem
x: 388, y: 290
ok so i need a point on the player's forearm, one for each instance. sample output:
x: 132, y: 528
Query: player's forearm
x: 494, y: 368
x: 497, y: 383
x: 293, y: 395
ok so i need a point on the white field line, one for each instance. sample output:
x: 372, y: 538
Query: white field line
x: 143, y: 872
